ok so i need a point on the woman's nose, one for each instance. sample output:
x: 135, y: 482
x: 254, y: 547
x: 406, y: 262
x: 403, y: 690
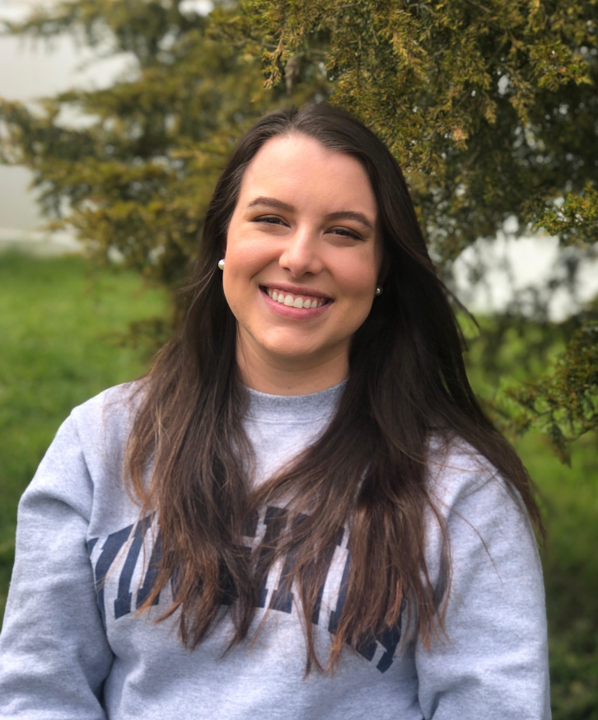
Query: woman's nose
x: 301, y: 254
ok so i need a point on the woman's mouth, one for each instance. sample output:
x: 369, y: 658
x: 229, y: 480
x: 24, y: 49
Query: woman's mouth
x: 295, y: 300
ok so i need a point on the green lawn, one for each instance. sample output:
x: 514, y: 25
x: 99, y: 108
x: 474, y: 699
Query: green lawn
x: 570, y: 510
x: 60, y: 325
x: 59, y: 345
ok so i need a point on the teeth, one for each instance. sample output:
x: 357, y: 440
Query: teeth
x: 291, y: 301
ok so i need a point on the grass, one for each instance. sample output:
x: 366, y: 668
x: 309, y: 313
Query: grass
x: 59, y: 332
x: 59, y: 329
x: 570, y: 509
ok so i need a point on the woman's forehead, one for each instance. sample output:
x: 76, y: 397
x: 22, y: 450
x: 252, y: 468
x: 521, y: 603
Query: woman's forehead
x: 298, y: 169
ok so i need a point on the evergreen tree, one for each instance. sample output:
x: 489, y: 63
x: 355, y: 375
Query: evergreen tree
x: 490, y: 107
x: 137, y: 174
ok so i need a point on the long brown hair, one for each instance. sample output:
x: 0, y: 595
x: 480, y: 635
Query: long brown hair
x: 366, y: 472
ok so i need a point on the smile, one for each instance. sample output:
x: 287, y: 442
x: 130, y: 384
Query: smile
x: 296, y: 301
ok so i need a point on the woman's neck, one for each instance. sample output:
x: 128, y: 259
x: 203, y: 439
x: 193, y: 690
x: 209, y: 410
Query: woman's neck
x: 290, y: 376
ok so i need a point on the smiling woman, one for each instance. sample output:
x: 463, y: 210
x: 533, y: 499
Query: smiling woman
x: 301, y: 511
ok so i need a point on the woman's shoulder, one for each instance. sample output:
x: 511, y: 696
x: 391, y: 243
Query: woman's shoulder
x: 114, y: 404
x: 105, y: 420
x: 481, y: 511
x: 460, y: 475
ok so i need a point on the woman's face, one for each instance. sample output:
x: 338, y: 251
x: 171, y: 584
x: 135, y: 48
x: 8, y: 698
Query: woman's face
x: 302, y: 256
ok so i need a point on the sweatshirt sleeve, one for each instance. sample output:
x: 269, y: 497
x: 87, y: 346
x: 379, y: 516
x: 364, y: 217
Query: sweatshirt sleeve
x: 54, y: 655
x: 493, y: 663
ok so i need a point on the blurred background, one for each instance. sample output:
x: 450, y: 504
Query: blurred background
x: 116, y: 117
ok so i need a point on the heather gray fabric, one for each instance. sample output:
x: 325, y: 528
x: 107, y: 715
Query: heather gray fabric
x: 69, y: 651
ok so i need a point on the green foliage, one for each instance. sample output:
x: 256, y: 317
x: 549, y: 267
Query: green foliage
x: 563, y: 404
x: 575, y: 221
x: 570, y: 512
x: 490, y: 107
x: 138, y: 173
x: 491, y: 110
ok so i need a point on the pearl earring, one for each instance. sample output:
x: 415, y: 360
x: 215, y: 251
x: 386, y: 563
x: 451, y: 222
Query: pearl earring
x: 378, y: 291
x: 221, y: 264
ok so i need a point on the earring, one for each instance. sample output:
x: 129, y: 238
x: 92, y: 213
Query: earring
x: 378, y: 291
x: 221, y: 264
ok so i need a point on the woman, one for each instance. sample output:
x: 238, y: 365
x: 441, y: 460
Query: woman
x: 301, y: 511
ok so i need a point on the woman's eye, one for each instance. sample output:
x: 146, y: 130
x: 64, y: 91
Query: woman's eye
x: 270, y: 219
x: 345, y: 232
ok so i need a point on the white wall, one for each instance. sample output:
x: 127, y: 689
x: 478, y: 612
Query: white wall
x: 29, y: 70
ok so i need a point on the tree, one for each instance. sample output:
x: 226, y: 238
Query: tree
x: 490, y: 107
x: 136, y: 175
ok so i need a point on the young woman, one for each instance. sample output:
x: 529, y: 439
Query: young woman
x: 301, y: 512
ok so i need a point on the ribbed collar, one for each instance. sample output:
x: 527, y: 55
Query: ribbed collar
x: 293, y: 408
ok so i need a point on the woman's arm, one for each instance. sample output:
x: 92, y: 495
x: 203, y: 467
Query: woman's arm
x: 494, y: 665
x: 54, y: 655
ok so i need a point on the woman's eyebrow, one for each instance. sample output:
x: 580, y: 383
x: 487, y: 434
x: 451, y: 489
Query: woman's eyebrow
x: 350, y: 215
x: 271, y: 202
x: 340, y: 215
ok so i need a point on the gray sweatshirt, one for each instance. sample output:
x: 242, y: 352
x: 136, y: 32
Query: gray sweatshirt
x: 73, y: 647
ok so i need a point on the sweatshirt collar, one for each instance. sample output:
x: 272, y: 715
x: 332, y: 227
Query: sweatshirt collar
x: 293, y: 408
